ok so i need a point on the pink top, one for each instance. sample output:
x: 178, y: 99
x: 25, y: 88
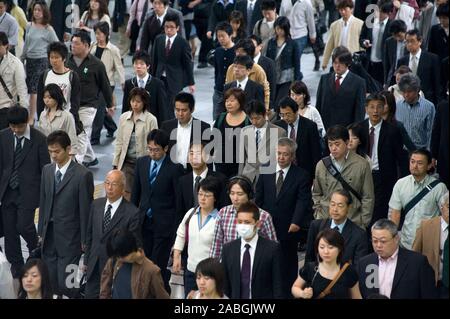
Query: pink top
x: 386, y: 273
x: 137, y: 14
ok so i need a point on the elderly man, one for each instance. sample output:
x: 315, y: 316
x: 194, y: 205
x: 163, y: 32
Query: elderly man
x: 107, y: 214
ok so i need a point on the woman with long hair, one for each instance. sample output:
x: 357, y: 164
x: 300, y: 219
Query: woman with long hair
x: 237, y: 23
x: 97, y: 12
x: 34, y: 281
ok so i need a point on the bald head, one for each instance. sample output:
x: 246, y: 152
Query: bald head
x: 114, y: 185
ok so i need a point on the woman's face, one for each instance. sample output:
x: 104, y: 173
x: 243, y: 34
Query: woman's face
x: 232, y: 104
x: 298, y: 98
x: 31, y: 281
x: 137, y: 105
x: 353, y: 142
x: 95, y: 5
x: 327, y: 252
x: 238, y: 196
x: 279, y: 32
x: 235, y: 24
x: 38, y: 12
x: 100, y: 36
x: 49, y: 101
x: 206, y: 285
x: 205, y: 199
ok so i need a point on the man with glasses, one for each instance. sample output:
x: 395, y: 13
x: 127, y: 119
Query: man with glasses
x: 392, y: 271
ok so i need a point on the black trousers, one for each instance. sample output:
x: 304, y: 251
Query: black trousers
x: 383, y: 192
x: 375, y: 69
x: 3, y: 120
x: 102, y: 118
x: 92, y: 290
x: 289, y: 265
x: 201, y: 25
x: 17, y: 221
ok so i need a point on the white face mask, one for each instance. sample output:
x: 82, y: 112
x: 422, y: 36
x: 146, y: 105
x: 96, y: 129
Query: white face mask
x: 245, y: 231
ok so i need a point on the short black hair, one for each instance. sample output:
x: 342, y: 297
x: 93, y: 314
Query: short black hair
x: 121, y: 243
x: 333, y: 238
x: 342, y: 4
x: 416, y: 33
x: 397, y: 26
x: 103, y: 27
x: 214, y: 269
x: 288, y: 102
x: 375, y: 97
x: 442, y: 10
x: 386, y: 6
x: 59, y: 48
x: 243, y: 182
x: 214, y: 185
x: 17, y: 115
x: 246, y: 45
x: 159, y: 137
x: 256, y: 38
x: 284, y: 24
x: 172, y: 17
x: 337, y: 132
x: 249, y: 207
x: 424, y: 152
x: 84, y: 36
x: 165, y: 2
x: 299, y: 87
x: 345, y: 193
x: 185, y: 97
x: 60, y: 138
x: 141, y: 56
x: 3, y: 38
x: 256, y: 107
x: 342, y: 55
x: 268, y: 5
x: 225, y: 27
x: 244, y: 60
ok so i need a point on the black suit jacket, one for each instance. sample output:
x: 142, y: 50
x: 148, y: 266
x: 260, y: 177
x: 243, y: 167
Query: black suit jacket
x: 177, y: 64
x: 438, y: 41
x: 413, y: 279
x: 34, y: 157
x: 266, y: 270
x: 293, y: 204
x: 366, y: 34
x: 159, y: 105
x: 428, y: 71
x: 308, y: 144
x: 440, y: 141
x: 127, y: 216
x: 268, y: 66
x: 354, y: 236
x: 253, y: 91
x: 198, y: 127
x: 161, y: 196
x: 256, y: 14
x: 345, y: 106
x: 390, y: 60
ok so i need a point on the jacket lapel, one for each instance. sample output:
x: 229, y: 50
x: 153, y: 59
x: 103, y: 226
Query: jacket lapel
x: 67, y: 177
x: 400, y: 269
x: 258, y: 256
x: 381, y: 138
x: 286, y: 183
x: 118, y: 216
x: 99, y: 217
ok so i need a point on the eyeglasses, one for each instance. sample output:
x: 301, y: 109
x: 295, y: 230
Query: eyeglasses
x: 205, y: 195
x: 154, y: 150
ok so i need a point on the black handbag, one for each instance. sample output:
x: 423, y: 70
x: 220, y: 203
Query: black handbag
x: 210, y: 57
x: 134, y: 30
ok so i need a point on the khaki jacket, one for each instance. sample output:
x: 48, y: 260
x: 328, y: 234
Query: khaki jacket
x: 112, y: 61
x: 13, y: 73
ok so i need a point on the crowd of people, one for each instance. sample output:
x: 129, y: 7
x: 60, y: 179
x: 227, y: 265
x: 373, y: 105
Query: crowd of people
x: 359, y: 181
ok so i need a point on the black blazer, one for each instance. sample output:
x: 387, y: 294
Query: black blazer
x: 161, y: 196
x: 355, y: 238
x: 438, y: 42
x: 288, y: 57
x: 308, y: 144
x: 34, y: 158
x: 390, y: 60
x: 266, y: 270
x: 366, y: 34
x: 170, y: 125
x: 268, y: 66
x: 241, y: 5
x: 126, y: 216
x: 428, y: 71
x: 344, y: 107
x: 177, y: 64
x: 440, y: 141
x: 293, y: 204
x: 253, y: 91
x: 150, y: 29
x: 159, y: 106
x: 413, y: 279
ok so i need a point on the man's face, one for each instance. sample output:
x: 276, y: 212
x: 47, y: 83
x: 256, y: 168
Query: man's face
x: 156, y: 151
x: 412, y: 43
x: 284, y: 156
x: 240, y: 71
x: 18, y: 129
x: 383, y: 243
x: 58, y: 154
x: 2, y: 8
x: 114, y: 186
x: 444, y: 21
x: 339, y: 68
x: 418, y: 165
x: 170, y: 28
x: 338, y: 148
x: 338, y: 209
x: 270, y: 15
x: 3, y: 50
x: 237, y: 196
x: 383, y: 16
x: 79, y: 48
x: 444, y: 211
x: 223, y: 38
x: 182, y: 112
x: 258, y: 48
x: 56, y: 60
x: 410, y: 96
x: 346, y: 12
x: 140, y: 68
x: 400, y: 36
x: 197, y: 158
x: 288, y: 115
x: 159, y: 7
x: 374, y: 110
x: 258, y: 120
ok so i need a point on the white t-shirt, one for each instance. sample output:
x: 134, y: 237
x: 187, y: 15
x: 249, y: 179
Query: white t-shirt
x: 63, y: 81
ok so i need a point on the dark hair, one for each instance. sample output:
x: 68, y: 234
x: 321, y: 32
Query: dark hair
x: 284, y: 24
x: 333, y: 238
x: 288, y: 102
x: 159, y: 137
x: 46, y: 17
x: 268, y: 5
x: 59, y: 137
x: 164, y: 2
x: 358, y: 130
x: 337, y: 132
x: 225, y: 27
x: 342, y: 55
x: 374, y: 97
x: 442, y: 10
x: 345, y: 193
x: 121, y: 243
x: 56, y: 93
x: 342, y: 4
x: 17, y: 115
x: 239, y: 94
x: 59, y: 48
x: 244, y: 182
x: 402, y: 69
x: 84, y: 36
x: 424, y: 152
x: 392, y: 106
x: 102, y: 10
x: 143, y: 94
x: 244, y: 60
x: 213, y: 268
x: 3, y: 38
x: 172, y: 17
x: 397, y: 26
x: 409, y: 82
x: 238, y: 17
x: 256, y: 38
x: 246, y: 45
x: 416, y: 33
x: 142, y: 56
x: 103, y: 27
x: 212, y: 184
x: 256, y: 107
x: 249, y: 207
x: 299, y: 87
x: 10, y: 5
x: 386, y: 6
x: 185, y: 97
x: 46, y: 287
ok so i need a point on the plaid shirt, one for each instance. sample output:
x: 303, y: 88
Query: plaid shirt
x: 225, y: 230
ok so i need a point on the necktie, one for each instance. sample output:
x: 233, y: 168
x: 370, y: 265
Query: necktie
x: 445, y: 264
x: 336, y: 228
x: 239, y: 86
x: 371, y: 140
x: 14, y: 179
x: 153, y: 173
x: 196, y: 182
x: 245, y: 274
x: 249, y: 17
x: 338, y: 83
x: 378, y: 54
x: 257, y: 138
x: 292, y: 133
x: 168, y: 47
x: 414, y: 64
x: 107, y: 218
x: 58, y: 177
x: 280, y: 181
x: 141, y: 83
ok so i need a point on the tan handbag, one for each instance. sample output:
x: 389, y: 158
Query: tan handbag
x: 327, y: 290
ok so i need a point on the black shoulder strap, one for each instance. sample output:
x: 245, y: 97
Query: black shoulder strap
x: 413, y: 202
x: 335, y: 173
x: 6, y: 88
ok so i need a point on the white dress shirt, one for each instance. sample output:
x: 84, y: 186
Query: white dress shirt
x: 285, y: 172
x: 256, y: 58
x: 417, y: 56
x: 27, y: 136
x: 114, y: 205
x: 63, y: 169
x: 251, y: 250
x: 296, y: 127
x: 243, y: 83
x: 344, y: 32
x: 342, y: 77
x: 374, y: 158
x: 202, y: 175
x: 144, y: 79
x: 183, y: 142
x: 377, y: 28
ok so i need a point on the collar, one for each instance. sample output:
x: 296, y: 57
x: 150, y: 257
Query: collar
x: 263, y: 128
x: 349, y: 21
x: 252, y: 242
x: 341, y: 226
x: 417, y: 103
x: 188, y: 125
x: 229, y: 2
x: 376, y: 127
x: 285, y: 170
x: 115, y: 204
x: 424, y: 181
x: 172, y: 39
x: 63, y: 169
x: 384, y: 21
x: 345, y: 157
x: 256, y: 58
x: 159, y: 162
x: 342, y: 76
x: 211, y: 214
x: 202, y: 175
x: 417, y: 54
x: 393, y: 257
x: 243, y: 83
x: 145, y: 78
x: 141, y: 116
x: 26, y: 134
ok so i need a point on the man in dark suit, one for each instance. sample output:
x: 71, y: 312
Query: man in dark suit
x: 373, y: 39
x: 423, y: 64
x: 155, y: 193
x: 394, y: 49
x: 67, y: 189
x: 341, y: 94
x: 392, y: 271
x: 384, y: 147
x: 438, y: 40
x: 172, y: 59
x: 185, y: 129
x: 304, y: 132
x: 355, y: 237
x: 188, y: 183
x: 155, y: 88
x: 286, y: 194
x: 252, y: 263
x: 440, y: 142
x: 251, y: 10
x: 23, y: 154
x: 107, y: 214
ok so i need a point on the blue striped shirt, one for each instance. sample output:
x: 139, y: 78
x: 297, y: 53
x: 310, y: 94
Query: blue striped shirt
x: 418, y: 120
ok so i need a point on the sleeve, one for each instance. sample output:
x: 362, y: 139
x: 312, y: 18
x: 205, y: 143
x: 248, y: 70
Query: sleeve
x: 217, y: 243
x: 362, y: 248
x: 181, y: 232
x: 42, y: 199
x: 145, y: 37
x: 106, y: 281
x: 21, y: 86
x: 317, y: 193
x: 436, y: 77
x: 360, y: 110
x: 86, y: 194
x: 368, y: 195
x: 25, y: 42
x: 267, y: 229
x: 212, y: 21
x: 418, y: 240
x: 296, y: 61
x: 230, y: 76
x: 118, y: 66
x: 395, y: 200
x: 119, y: 141
x: 319, y: 95
x: 305, y: 272
x: 363, y: 36
x: 88, y: 241
x: 135, y: 225
x: 13, y: 33
x: 259, y: 192
x: 427, y: 280
x: 187, y: 57
x: 429, y: 125
x: 351, y: 277
x: 436, y: 133
x: 318, y: 120
x: 136, y: 192
x: 157, y: 290
x: 310, y: 21
x: 51, y: 36
x: 133, y: 15
x: 75, y: 94
x: 314, y: 141
x: 71, y: 130
x: 44, y: 157
x: 40, y: 96
x: 277, y: 280
x: 329, y: 47
x: 310, y: 255
x: 126, y: 92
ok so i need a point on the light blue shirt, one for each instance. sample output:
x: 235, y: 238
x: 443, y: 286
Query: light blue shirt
x: 211, y: 215
x: 341, y: 226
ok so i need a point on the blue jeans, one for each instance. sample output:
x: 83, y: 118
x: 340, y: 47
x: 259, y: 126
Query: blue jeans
x: 301, y: 44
